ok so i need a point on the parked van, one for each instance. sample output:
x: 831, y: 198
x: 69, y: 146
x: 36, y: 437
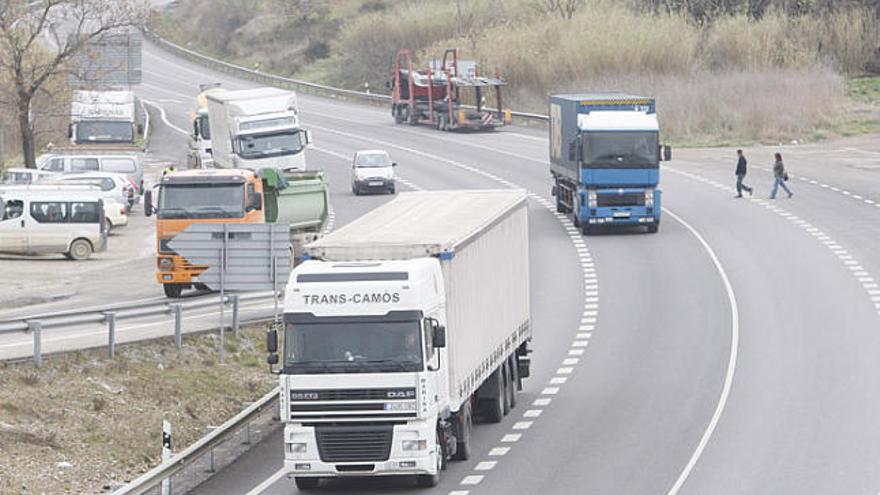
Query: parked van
x: 45, y: 222
x: 115, y: 213
x: 20, y: 175
x: 128, y: 164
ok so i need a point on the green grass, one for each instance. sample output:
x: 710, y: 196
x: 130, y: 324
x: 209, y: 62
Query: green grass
x: 865, y: 89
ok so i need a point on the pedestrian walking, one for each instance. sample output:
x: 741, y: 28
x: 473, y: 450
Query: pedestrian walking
x: 780, y: 177
x: 741, y: 174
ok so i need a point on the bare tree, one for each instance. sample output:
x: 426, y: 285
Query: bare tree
x: 37, y: 39
x: 563, y: 8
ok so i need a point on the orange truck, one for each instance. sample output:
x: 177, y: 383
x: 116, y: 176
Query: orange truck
x: 300, y: 199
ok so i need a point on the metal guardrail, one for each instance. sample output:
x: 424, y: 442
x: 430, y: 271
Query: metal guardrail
x: 521, y: 118
x: 153, y: 478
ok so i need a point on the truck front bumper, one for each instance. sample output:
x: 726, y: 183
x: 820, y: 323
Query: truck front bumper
x: 624, y: 215
x: 302, y: 457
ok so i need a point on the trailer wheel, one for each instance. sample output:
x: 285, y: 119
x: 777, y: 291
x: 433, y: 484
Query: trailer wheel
x: 494, y: 407
x: 306, y: 483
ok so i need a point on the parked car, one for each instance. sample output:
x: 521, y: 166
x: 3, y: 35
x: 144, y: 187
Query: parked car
x: 115, y: 187
x: 128, y: 164
x: 19, y: 175
x: 372, y: 171
x: 34, y: 221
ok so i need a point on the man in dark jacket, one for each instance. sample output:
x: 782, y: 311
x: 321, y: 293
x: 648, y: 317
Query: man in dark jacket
x: 741, y: 174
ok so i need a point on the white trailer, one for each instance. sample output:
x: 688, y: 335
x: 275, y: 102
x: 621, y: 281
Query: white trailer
x: 256, y: 128
x: 405, y: 325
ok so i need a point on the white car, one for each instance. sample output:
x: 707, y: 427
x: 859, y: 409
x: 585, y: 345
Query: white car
x: 372, y: 171
x: 20, y: 175
x: 115, y: 215
x: 114, y: 187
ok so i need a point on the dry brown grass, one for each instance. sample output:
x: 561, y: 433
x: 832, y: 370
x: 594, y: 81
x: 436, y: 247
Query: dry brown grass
x: 105, y: 417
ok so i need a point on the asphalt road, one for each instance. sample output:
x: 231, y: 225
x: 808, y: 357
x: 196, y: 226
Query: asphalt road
x: 733, y: 352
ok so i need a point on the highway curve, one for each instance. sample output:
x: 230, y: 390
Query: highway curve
x: 733, y: 352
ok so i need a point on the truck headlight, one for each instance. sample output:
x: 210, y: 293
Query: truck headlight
x: 649, y: 197
x: 165, y: 264
x: 591, y: 199
x: 410, y: 445
x: 297, y: 448
x: 408, y: 405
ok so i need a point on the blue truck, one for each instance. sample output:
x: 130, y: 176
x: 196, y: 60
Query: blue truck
x: 605, y: 158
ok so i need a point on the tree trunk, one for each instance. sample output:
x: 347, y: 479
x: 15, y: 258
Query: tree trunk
x: 28, y: 145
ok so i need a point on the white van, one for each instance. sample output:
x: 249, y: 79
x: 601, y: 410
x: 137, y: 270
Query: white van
x: 20, y: 175
x: 128, y: 164
x: 46, y: 222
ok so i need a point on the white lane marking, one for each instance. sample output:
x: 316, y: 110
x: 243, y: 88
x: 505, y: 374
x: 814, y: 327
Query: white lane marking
x: 473, y: 479
x: 731, y: 363
x: 542, y: 402
x: 164, y: 117
x: 257, y: 490
x: 550, y: 391
x: 511, y: 438
x: 558, y: 380
x: 522, y: 425
x: 499, y: 451
x: 485, y: 466
x: 532, y: 413
x: 459, y: 492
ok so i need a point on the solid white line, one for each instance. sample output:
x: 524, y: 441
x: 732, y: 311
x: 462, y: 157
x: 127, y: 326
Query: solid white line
x: 731, y: 363
x: 257, y: 490
x: 165, y: 117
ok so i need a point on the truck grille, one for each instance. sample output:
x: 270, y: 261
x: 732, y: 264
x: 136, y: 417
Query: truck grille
x: 625, y: 199
x: 361, y: 443
x: 353, y: 394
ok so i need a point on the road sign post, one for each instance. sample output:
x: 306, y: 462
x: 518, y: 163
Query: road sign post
x: 166, y: 454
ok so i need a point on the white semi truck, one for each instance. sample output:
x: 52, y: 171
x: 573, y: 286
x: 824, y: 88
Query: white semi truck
x: 403, y: 327
x: 255, y: 129
x: 105, y: 118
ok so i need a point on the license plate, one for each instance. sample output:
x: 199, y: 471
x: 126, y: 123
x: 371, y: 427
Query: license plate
x: 621, y: 214
x: 375, y: 183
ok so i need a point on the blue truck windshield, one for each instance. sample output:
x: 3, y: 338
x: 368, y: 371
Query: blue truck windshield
x: 364, y: 346
x: 620, y: 149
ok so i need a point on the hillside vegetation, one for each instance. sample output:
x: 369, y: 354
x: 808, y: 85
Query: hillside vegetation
x: 722, y: 70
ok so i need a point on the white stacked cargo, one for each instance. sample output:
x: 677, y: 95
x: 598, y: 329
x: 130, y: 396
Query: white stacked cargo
x: 372, y: 381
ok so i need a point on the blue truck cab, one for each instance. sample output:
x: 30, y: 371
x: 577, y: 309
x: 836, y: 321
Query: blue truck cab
x: 605, y: 158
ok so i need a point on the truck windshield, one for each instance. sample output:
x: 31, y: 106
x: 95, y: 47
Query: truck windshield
x: 620, y: 149
x: 204, y: 127
x: 354, y: 346
x: 104, y: 132
x: 223, y: 200
x: 266, y: 145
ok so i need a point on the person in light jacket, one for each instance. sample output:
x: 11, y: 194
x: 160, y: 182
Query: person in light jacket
x: 780, y: 176
x: 741, y: 174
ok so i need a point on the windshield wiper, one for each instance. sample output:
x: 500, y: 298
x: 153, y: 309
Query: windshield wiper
x: 400, y: 365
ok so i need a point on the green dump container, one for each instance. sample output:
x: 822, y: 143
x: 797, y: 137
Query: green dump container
x: 304, y: 204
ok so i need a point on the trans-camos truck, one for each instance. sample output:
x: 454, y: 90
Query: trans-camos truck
x: 199, y: 152
x: 256, y: 129
x: 604, y: 159
x: 404, y: 325
x: 105, y: 118
x: 299, y: 199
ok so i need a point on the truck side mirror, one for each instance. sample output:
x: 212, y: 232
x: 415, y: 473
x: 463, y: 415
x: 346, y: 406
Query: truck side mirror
x: 438, y: 336
x: 255, y: 201
x: 148, y: 203
x: 70, y: 130
x: 667, y: 153
x: 272, y: 341
x: 308, y: 137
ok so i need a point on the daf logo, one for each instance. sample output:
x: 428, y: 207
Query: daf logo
x: 401, y: 394
x: 304, y: 396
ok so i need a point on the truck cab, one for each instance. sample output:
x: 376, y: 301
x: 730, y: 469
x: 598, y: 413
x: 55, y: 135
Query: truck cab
x: 105, y: 118
x: 605, y: 160
x: 198, y: 196
x: 200, y: 153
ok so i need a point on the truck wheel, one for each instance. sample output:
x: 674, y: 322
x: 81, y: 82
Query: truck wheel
x: 464, y: 422
x: 588, y: 229
x: 398, y: 115
x: 306, y: 483
x: 172, y: 290
x: 514, y: 380
x: 508, y: 385
x: 653, y: 228
x: 80, y: 249
x: 495, y: 406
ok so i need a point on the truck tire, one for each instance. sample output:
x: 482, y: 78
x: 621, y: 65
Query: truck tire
x: 588, y: 229
x: 172, y: 290
x: 654, y: 228
x: 514, y: 380
x: 464, y: 422
x: 306, y: 483
x: 80, y: 249
x: 494, y: 408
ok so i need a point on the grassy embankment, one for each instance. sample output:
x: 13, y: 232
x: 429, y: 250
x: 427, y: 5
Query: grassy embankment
x: 105, y: 417
x: 735, y: 79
